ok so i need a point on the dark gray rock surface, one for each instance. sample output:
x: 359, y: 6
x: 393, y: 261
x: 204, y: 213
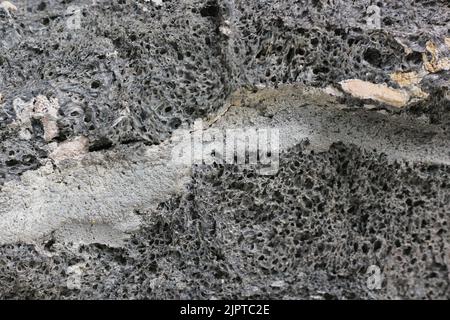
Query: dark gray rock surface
x: 121, y: 77
x: 312, y: 230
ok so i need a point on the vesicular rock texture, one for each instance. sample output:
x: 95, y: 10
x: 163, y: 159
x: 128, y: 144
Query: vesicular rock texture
x: 96, y: 95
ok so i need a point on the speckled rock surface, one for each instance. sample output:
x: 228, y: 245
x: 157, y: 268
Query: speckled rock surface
x: 95, y: 97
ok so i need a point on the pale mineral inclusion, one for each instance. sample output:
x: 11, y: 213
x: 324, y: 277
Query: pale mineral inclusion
x: 378, y: 92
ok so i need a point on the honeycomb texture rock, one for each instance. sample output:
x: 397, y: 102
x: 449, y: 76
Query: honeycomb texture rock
x: 122, y: 78
x: 129, y: 71
x: 312, y: 229
x: 321, y: 42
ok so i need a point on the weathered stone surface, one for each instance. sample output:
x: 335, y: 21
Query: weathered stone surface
x: 97, y: 97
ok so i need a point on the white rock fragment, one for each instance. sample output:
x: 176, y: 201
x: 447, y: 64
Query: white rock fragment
x: 47, y: 111
x: 72, y: 149
x: 378, y: 92
x: 74, y: 274
x: 225, y: 29
x: 40, y: 108
x: 23, y: 110
x: 8, y: 6
x: 278, y: 284
x: 25, y: 134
